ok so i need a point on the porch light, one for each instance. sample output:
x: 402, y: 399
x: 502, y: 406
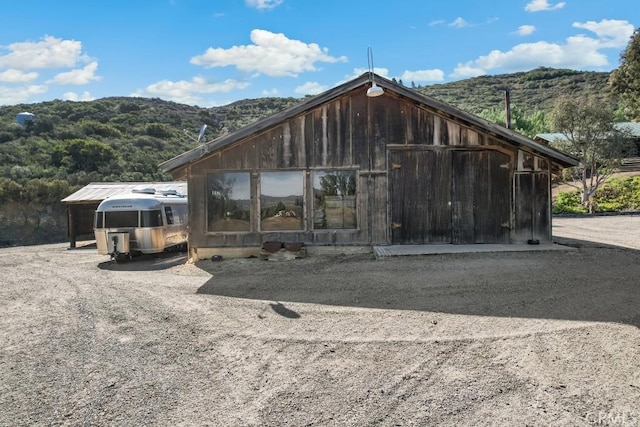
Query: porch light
x: 374, y: 90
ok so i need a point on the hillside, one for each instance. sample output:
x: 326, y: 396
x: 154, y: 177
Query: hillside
x: 531, y: 91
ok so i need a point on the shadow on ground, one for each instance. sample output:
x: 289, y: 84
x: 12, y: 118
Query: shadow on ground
x: 161, y: 261
x: 594, y: 283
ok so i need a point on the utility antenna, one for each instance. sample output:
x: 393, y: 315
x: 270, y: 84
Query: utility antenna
x: 200, y: 137
x: 374, y: 90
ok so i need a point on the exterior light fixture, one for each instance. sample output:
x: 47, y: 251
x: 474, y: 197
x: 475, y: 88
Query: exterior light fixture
x: 374, y: 90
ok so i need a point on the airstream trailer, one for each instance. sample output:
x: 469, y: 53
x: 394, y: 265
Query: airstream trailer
x: 143, y: 222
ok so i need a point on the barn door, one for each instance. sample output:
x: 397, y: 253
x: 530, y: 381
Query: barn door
x: 532, y: 220
x: 420, y: 195
x: 481, y: 197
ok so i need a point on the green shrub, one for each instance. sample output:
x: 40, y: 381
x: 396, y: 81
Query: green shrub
x: 616, y: 195
x: 568, y: 202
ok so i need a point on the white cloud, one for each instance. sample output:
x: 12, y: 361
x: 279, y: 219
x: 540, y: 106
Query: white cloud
x: 17, y: 76
x: 459, y: 23
x: 611, y: 32
x: 436, y: 22
x: 578, y: 52
x: 51, y: 52
x: 541, y: 5
x: 270, y: 92
x: 13, y: 95
x: 80, y: 76
x: 526, y: 30
x: 463, y: 71
x: 264, y: 4
x: 189, y: 91
x: 423, y: 76
x: 311, y: 88
x: 271, y: 54
x: 72, y: 96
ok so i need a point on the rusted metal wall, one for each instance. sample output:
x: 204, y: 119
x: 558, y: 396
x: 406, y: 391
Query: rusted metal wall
x: 422, y: 177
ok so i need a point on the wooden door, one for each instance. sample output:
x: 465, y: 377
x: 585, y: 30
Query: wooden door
x: 532, y: 219
x: 420, y: 192
x: 449, y: 196
x: 481, y: 197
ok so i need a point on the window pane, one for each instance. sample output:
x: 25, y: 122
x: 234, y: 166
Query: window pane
x: 121, y: 219
x: 99, y: 220
x: 151, y: 218
x: 281, y: 201
x: 169, y: 214
x: 229, y: 202
x: 179, y: 214
x: 334, y: 200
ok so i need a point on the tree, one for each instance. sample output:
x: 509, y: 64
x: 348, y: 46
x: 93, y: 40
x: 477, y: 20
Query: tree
x: 625, y: 80
x: 590, y: 134
x: 528, y: 125
x: 83, y: 155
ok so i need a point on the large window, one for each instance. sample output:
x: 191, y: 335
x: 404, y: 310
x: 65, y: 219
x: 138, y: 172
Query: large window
x: 116, y: 219
x: 229, y: 201
x: 151, y: 218
x: 334, y: 200
x: 281, y: 201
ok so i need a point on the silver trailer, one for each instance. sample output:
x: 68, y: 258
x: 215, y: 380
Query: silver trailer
x: 144, y: 222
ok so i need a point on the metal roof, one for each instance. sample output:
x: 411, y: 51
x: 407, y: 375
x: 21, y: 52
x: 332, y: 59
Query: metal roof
x: 98, y: 191
x: 633, y: 128
x: 440, y: 107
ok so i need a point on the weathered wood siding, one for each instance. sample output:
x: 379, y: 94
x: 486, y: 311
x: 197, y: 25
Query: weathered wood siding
x: 454, y: 183
x: 533, y: 199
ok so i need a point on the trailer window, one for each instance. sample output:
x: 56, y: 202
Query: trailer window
x: 151, y: 218
x: 117, y: 219
x: 176, y: 215
x: 99, y: 220
x: 169, y: 214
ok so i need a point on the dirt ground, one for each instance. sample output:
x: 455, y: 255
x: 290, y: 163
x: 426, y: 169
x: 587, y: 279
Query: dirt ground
x: 520, y: 338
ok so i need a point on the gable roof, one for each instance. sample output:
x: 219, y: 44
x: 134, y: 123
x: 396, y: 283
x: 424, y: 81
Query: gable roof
x: 440, y: 107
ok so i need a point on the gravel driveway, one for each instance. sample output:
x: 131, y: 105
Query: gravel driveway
x: 539, y: 338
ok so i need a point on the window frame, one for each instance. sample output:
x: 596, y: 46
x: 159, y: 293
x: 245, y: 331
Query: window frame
x: 312, y: 195
x: 303, y: 209
x: 251, y: 185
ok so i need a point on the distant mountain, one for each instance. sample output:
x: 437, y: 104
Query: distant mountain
x: 530, y: 91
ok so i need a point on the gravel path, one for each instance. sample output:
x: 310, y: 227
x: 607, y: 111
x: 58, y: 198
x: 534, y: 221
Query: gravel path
x: 540, y: 338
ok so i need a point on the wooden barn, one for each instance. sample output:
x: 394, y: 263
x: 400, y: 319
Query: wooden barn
x: 344, y: 168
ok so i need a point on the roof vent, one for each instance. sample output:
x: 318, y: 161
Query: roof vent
x: 147, y: 190
x: 171, y: 193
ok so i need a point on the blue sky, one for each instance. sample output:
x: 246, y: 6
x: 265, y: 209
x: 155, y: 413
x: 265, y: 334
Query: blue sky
x: 211, y: 53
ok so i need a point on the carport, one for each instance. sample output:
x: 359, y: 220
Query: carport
x: 82, y: 204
